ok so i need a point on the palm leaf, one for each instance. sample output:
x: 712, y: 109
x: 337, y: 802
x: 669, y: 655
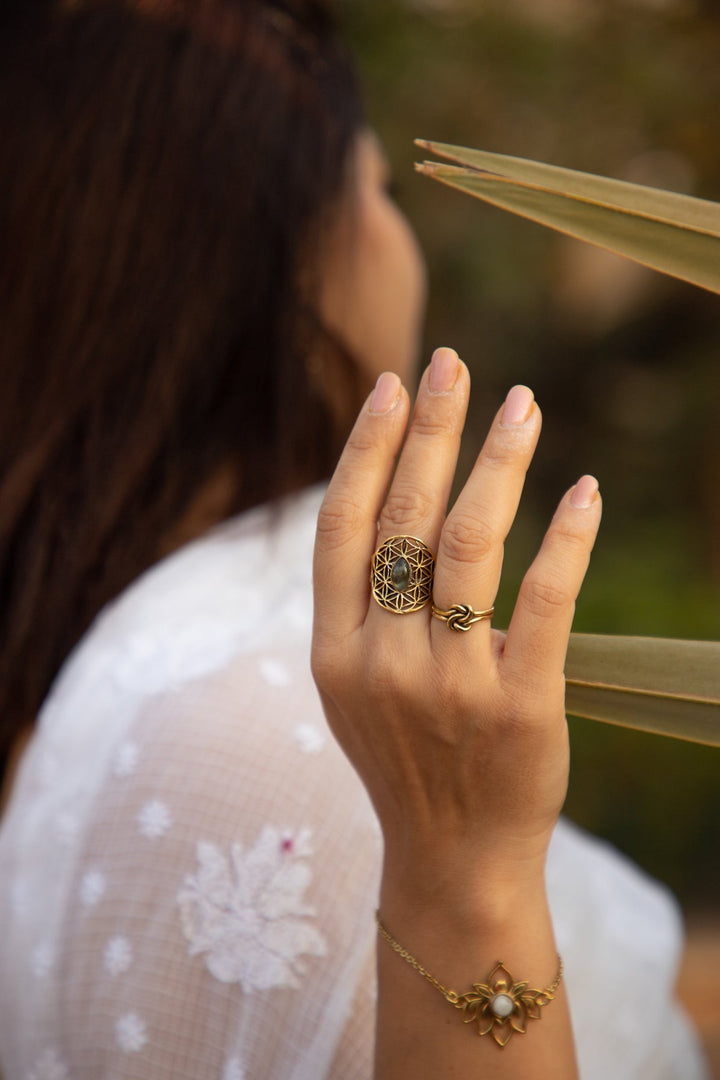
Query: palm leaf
x: 677, y: 234
x: 649, y: 684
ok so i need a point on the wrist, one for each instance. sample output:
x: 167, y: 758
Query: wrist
x: 470, y: 891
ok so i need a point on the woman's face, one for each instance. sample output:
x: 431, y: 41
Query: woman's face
x: 374, y: 282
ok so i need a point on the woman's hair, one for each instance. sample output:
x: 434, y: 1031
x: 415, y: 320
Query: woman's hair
x: 167, y: 170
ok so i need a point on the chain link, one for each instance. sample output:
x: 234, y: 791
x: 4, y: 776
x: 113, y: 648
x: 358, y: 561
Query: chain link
x: 449, y: 995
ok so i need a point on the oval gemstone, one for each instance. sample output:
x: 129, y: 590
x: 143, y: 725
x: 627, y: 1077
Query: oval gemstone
x: 400, y: 574
x: 502, y: 1005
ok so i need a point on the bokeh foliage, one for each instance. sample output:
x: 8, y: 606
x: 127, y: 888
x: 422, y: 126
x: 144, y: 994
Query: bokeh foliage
x: 623, y: 361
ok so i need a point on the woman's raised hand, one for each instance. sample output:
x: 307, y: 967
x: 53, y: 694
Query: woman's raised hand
x: 460, y: 738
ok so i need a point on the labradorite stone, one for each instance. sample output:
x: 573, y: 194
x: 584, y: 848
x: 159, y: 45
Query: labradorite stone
x: 400, y: 575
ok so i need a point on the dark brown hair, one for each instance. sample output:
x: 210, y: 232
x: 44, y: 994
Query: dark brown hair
x: 165, y: 173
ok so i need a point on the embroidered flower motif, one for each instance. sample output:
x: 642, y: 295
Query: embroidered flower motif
x: 126, y: 759
x: 92, y: 887
x: 48, y: 1067
x: 248, y: 914
x: 118, y: 955
x: 309, y: 738
x: 154, y: 819
x: 130, y: 1033
x: 42, y: 959
x: 233, y: 1069
x: 274, y: 673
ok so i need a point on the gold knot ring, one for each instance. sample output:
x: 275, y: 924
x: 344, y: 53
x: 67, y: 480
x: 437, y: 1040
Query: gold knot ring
x: 401, y: 574
x: 461, y: 616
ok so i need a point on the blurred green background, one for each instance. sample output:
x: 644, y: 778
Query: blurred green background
x: 623, y: 361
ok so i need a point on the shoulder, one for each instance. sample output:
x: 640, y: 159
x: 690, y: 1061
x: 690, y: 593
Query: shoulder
x: 185, y: 815
x: 247, y: 580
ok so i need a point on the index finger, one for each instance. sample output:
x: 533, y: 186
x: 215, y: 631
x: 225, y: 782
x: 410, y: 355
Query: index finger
x: 347, y: 522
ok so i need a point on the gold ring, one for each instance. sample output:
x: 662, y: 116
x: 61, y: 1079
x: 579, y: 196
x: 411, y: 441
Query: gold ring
x: 401, y: 574
x: 461, y: 616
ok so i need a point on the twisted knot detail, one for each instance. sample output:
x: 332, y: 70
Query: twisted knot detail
x: 461, y: 617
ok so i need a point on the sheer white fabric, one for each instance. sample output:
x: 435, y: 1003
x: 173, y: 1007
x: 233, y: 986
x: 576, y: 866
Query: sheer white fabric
x: 189, y: 866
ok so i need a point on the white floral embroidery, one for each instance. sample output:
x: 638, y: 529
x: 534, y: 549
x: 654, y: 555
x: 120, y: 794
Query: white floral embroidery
x: 48, y: 1067
x: 248, y: 915
x: 233, y: 1069
x: 118, y: 955
x: 309, y: 738
x: 131, y: 1033
x: 154, y: 819
x: 92, y: 887
x: 274, y: 672
x: 126, y: 758
x: 42, y: 959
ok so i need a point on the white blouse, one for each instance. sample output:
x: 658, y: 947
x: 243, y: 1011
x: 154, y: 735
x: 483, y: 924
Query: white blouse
x: 189, y: 866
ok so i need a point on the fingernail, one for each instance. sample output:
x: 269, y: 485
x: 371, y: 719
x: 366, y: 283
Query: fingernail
x: 386, y: 392
x: 518, y: 405
x: 584, y: 492
x: 444, y: 370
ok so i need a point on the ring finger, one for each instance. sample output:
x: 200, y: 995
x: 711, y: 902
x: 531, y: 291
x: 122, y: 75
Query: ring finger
x: 470, y: 550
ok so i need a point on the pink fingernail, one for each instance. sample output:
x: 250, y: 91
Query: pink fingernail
x: 584, y: 492
x: 444, y: 370
x: 386, y: 392
x: 518, y: 406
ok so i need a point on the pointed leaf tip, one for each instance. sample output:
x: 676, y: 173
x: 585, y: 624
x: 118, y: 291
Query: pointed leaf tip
x: 675, y: 234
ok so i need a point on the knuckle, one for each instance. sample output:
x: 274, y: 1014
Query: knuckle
x: 427, y: 422
x: 467, y: 540
x: 339, y: 520
x: 320, y: 667
x: 361, y: 441
x: 533, y: 691
x: 331, y: 664
x: 572, y: 538
x: 323, y: 668
x: 544, y: 598
x: 404, y: 506
x: 500, y: 452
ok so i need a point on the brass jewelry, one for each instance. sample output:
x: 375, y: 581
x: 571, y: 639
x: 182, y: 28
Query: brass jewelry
x: 401, y: 574
x: 462, y: 616
x: 500, y: 1007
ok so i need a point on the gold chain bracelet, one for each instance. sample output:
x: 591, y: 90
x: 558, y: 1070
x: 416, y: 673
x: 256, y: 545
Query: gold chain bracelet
x: 499, y: 1007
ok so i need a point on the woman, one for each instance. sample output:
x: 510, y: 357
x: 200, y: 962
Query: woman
x: 203, y: 276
